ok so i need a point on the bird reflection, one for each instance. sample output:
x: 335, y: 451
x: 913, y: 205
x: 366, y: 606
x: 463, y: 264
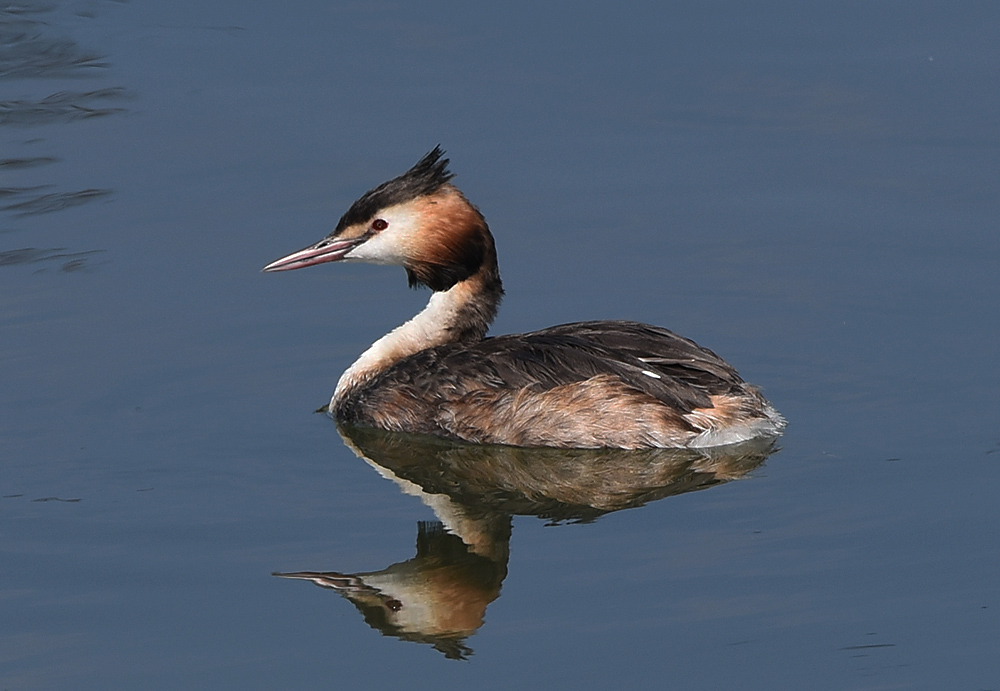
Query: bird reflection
x: 439, y: 597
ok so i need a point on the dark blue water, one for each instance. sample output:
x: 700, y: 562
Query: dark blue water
x: 809, y: 191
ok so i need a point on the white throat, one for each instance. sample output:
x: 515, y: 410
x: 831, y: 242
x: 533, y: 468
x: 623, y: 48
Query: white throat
x: 430, y: 327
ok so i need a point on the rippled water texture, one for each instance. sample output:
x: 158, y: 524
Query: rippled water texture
x: 810, y: 191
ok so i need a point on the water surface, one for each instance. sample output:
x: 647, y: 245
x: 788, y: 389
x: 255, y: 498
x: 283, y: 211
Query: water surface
x: 809, y: 191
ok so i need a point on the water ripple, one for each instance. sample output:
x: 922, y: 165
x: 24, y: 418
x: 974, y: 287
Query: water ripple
x: 54, y: 201
x: 25, y: 52
x: 72, y: 261
x: 62, y: 106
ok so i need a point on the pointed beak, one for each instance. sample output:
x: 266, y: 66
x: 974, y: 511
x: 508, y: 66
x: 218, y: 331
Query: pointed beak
x: 341, y: 582
x: 326, y: 250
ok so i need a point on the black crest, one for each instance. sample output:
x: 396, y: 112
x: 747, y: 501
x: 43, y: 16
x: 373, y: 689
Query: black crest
x: 426, y: 177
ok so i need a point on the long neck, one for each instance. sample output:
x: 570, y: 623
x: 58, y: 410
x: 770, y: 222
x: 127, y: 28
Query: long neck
x: 461, y: 314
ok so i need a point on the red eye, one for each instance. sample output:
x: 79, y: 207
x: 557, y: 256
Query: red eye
x: 379, y: 224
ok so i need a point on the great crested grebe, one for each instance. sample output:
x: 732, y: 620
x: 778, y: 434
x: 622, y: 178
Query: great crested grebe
x: 596, y: 384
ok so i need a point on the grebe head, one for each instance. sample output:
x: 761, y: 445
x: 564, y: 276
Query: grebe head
x: 418, y: 221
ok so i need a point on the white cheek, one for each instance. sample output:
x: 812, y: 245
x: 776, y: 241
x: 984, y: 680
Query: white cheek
x: 389, y: 246
x: 378, y: 250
